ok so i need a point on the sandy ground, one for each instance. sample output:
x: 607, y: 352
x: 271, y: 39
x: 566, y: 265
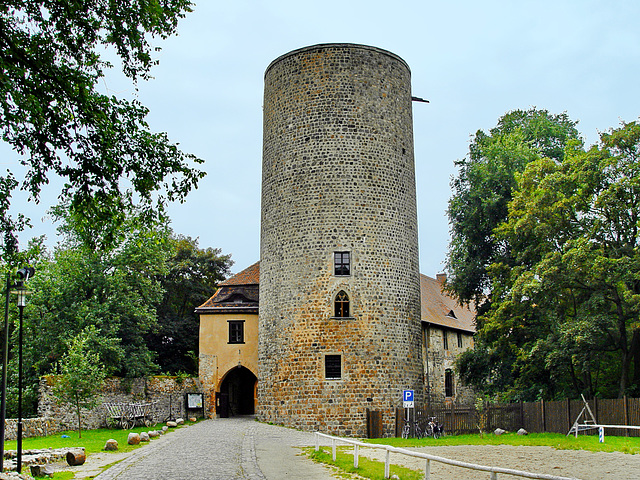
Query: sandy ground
x: 566, y: 463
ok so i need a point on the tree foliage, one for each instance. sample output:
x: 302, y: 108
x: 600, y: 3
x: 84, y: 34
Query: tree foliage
x: 483, y: 189
x: 191, y: 278
x: 565, y: 307
x: 53, y: 114
x: 115, y: 289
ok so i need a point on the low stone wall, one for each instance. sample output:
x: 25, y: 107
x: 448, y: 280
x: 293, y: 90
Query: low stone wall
x: 166, y: 393
x: 31, y: 427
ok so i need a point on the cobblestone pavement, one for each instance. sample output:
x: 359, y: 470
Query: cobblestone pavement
x: 234, y: 448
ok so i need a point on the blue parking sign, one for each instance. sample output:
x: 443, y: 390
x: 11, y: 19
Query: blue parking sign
x: 407, y: 396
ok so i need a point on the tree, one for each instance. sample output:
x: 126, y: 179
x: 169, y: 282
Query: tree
x: 191, y: 278
x: 116, y: 289
x: 484, y: 186
x: 82, y: 374
x: 53, y: 114
x: 565, y: 309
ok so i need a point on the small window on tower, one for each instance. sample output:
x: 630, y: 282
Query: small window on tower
x: 449, y: 390
x: 236, y: 331
x: 342, y: 263
x: 342, y: 305
x: 333, y: 367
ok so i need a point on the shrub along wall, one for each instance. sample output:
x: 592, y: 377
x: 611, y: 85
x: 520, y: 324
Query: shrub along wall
x: 166, y: 393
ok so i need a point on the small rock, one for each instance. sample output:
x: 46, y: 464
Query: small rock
x: 111, y: 445
x: 522, y: 431
x: 171, y: 424
x: 192, y: 419
x: 395, y: 477
x: 41, y: 470
x: 180, y: 421
x: 154, y: 434
x: 133, y: 439
x: 499, y: 431
x: 144, y: 437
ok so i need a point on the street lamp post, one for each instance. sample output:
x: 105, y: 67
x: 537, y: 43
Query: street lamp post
x: 24, y: 274
x: 22, y: 296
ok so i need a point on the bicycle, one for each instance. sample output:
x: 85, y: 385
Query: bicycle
x: 434, y: 428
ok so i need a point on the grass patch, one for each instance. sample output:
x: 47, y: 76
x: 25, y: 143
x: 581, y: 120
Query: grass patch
x: 371, y: 469
x: 93, y: 441
x: 558, y: 441
x: 375, y: 470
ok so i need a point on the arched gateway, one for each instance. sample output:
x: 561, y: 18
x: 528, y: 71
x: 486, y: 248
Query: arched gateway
x: 237, y: 393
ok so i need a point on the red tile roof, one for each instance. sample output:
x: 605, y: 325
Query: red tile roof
x: 440, y: 309
x: 248, y: 276
x: 437, y: 308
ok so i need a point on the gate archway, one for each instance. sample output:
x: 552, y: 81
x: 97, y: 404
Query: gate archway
x: 237, y: 392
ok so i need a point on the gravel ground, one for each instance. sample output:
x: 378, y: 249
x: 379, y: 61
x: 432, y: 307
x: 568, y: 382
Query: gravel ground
x: 579, y: 464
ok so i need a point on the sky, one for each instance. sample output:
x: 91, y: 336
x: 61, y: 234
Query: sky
x: 474, y: 62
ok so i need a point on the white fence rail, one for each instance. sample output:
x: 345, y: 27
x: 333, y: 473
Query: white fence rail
x: 494, y: 471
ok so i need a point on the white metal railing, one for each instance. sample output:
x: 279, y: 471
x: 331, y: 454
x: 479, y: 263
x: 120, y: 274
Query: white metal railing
x: 494, y: 471
x: 581, y: 427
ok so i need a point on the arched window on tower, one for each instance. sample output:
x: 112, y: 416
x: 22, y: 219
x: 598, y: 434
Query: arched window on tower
x: 342, y: 305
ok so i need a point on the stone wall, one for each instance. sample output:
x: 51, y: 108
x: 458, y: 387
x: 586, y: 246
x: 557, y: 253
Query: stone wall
x: 164, y: 391
x: 338, y: 176
x: 31, y: 427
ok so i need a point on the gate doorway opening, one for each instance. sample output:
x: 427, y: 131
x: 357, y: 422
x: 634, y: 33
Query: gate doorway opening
x: 237, y: 393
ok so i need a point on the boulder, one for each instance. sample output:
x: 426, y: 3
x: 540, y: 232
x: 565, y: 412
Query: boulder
x: 180, y: 421
x: 192, y: 419
x: 111, y: 445
x: 171, y: 424
x: 144, y: 437
x: 133, y: 439
x: 154, y: 434
x: 41, y: 470
x: 522, y: 431
x: 499, y: 431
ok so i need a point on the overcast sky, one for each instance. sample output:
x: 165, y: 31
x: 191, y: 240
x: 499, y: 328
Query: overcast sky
x: 474, y: 61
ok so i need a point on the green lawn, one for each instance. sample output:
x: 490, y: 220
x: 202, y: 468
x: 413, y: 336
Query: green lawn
x: 555, y: 440
x: 93, y: 441
x: 375, y: 470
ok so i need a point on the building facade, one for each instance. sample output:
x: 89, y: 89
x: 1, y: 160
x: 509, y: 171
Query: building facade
x: 229, y: 354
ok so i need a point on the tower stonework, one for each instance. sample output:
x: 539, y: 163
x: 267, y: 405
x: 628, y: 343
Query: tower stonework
x: 338, y: 178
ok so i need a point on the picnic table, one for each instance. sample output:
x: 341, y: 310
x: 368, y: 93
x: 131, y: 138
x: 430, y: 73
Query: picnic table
x: 128, y: 415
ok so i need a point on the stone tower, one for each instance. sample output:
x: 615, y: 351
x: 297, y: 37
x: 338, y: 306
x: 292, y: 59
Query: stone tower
x: 339, y: 275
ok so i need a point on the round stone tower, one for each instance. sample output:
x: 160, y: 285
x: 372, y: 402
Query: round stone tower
x: 339, y: 276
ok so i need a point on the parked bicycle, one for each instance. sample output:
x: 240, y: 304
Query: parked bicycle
x: 435, y: 429
x: 417, y: 430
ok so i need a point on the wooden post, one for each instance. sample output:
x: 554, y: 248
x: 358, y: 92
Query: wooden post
x: 569, y: 423
x: 625, y: 404
x: 427, y: 470
x: 544, y: 417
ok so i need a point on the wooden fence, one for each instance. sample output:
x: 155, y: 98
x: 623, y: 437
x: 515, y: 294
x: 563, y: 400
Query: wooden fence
x: 535, y: 417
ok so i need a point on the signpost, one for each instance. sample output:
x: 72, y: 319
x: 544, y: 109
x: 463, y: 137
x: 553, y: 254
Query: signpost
x: 407, y: 398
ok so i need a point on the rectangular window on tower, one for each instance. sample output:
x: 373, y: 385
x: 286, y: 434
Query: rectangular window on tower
x: 332, y: 367
x: 236, y: 331
x: 341, y: 263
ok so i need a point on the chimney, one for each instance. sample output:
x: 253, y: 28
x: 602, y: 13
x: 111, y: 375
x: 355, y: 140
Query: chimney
x: 441, y: 277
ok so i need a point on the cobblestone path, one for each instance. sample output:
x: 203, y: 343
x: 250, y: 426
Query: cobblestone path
x: 233, y: 448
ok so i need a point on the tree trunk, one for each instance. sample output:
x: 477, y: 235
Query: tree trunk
x: 76, y: 457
